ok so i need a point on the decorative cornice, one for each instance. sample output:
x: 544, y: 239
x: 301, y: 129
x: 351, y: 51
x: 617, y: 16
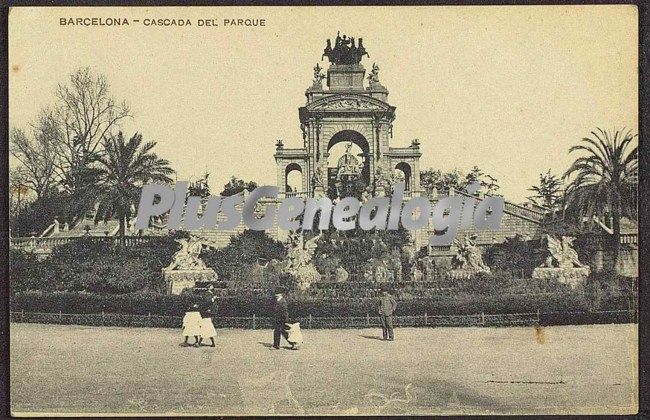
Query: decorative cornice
x: 347, y: 104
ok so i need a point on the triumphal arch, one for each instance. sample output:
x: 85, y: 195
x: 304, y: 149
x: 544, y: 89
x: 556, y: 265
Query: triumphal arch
x: 347, y: 110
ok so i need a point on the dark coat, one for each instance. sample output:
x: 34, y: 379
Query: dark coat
x: 209, y: 306
x: 387, y: 305
x: 280, y: 312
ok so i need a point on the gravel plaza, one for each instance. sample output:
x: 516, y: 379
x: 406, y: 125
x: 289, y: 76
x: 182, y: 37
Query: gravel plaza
x: 104, y: 370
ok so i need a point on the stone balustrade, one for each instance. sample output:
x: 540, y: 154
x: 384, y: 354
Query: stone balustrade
x: 46, y: 244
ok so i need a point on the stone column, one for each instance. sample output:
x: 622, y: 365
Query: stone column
x: 281, y: 165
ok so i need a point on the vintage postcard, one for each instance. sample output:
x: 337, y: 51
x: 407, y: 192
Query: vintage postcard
x: 323, y: 210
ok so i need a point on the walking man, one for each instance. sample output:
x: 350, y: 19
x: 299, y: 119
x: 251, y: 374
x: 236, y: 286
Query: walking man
x: 387, y: 306
x: 280, y: 318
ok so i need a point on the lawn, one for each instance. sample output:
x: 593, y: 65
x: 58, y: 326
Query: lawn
x: 103, y: 370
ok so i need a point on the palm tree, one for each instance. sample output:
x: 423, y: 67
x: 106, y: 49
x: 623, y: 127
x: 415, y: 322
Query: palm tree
x: 126, y: 166
x: 606, y: 178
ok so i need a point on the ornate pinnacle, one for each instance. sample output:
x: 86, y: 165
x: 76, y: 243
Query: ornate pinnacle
x: 345, y: 50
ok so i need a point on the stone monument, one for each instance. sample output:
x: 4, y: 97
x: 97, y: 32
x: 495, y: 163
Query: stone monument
x: 345, y: 104
x: 562, y: 263
x: 186, y: 268
x: 468, y: 259
x: 300, y: 260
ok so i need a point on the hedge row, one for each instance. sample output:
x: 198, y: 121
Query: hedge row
x: 172, y: 305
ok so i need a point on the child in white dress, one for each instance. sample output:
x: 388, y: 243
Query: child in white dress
x: 192, y: 325
x: 207, y: 328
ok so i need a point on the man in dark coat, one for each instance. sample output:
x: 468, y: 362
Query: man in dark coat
x: 387, y: 306
x: 280, y: 318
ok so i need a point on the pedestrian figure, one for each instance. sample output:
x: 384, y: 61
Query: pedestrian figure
x: 207, y: 327
x: 192, y: 325
x: 280, y: 318
x: 387, y: 306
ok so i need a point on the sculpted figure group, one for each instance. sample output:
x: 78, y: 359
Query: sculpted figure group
x: 187, y: 258
x: 562, y: 254
x: 469, y: 256
x: 345, y: 50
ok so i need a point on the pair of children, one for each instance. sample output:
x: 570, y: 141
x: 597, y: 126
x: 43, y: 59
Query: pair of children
x: 198, y: 326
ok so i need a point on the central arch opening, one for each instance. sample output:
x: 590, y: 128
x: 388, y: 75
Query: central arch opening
x: 348, y: 161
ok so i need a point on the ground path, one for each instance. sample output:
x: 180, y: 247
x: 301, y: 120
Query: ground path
x: 564, y: 369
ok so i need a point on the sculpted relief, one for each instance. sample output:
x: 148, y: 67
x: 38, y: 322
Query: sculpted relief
x: 348, y: 104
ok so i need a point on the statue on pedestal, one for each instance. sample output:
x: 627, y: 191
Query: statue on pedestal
x: 382, y: 182
x: 562, y: 264
x: 468, y: 256
x: 366, y: 195
x: 348, y: 170
x: 345, y: 50
x: 416, y: 273
x: 373, y: 76
x: 562, y: 253
x: 318, y: 77
x: 187, y: 258
x: 428, y: 267
x: 317, y: 178
x: 300, y: 256
x: 187, y: 268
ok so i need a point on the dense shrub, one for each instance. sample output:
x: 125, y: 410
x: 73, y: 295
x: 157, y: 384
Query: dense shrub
x: 98, y: 265
x: 141, y: 303
x: 605, y: 286
x: 244, y: 250
x: 157, y: 304
x: 496, y: 283
x: 40, y: 213
x: 355, y: 248
x: 586, y: 246
x: 26, y: 271
x: 515, y: 256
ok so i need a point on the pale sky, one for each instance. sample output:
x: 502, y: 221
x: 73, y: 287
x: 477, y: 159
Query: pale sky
x: 509, y: 89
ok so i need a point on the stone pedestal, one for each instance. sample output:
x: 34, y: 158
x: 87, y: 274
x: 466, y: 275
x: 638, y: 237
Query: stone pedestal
x: 345, y: 77
x: 571, y: 276
x: 179, y: 280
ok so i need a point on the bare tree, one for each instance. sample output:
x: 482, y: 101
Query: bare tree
x: 18, y: 194
x: 66, y: 140
x: 37, y: 156
x: 84, y: 115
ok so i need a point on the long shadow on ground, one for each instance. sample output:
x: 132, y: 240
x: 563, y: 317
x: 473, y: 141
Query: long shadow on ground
x: 371, y: 337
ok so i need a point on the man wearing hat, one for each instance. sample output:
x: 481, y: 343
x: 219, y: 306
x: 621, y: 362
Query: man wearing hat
x: 280, y: 318
x: 387, y: 306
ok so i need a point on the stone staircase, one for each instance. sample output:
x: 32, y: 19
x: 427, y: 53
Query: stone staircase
x: 85, y: 227
x: 219, y: 238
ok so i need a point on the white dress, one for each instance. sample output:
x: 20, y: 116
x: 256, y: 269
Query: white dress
x: 295, y: 335
x: 192, y: 324
x: 207, y: 328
